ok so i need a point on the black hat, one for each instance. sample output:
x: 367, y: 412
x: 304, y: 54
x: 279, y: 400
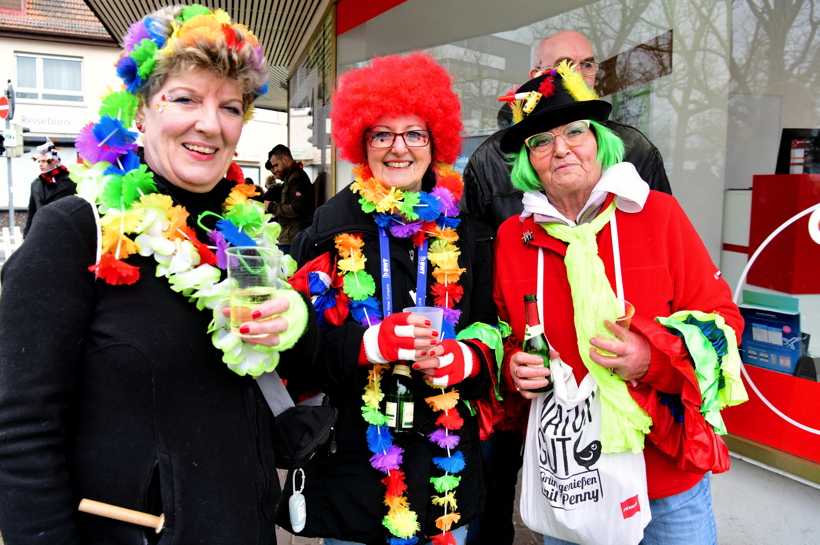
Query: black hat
x: 566, y: 98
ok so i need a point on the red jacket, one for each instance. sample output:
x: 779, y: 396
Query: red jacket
x: 665, y: 267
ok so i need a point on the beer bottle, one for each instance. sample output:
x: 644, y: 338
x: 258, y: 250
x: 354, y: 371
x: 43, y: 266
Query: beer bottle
x: 535, y: 342
x: 399, y: 400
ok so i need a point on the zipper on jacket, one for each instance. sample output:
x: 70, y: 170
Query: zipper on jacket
x: 333, y: 446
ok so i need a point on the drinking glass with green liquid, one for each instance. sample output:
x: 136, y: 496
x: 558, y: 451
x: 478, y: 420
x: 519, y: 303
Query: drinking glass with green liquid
x: 254, y: 279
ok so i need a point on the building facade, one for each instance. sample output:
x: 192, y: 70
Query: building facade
x: 60, y: 61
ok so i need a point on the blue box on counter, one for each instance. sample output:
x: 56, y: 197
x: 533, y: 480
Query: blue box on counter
x: 771, y: 336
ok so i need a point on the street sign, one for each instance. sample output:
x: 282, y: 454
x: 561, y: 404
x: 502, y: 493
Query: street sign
x: 4, y: 107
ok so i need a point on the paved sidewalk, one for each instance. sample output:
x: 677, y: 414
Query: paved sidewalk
x: 523, y: 535
x: 753, y: 506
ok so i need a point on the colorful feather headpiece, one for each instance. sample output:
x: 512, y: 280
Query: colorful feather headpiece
x: 152, y: 41
x: 555, y: 98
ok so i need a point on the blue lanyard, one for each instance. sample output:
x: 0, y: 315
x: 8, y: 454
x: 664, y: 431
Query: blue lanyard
x: 421, y: 276
x: 387, y: 289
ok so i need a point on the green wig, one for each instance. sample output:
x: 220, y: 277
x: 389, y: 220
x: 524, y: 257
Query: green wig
x: 610, y: 152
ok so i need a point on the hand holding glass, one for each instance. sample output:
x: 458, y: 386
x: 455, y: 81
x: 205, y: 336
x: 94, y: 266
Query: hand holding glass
x: 254, y: 279
x: 617, y: 311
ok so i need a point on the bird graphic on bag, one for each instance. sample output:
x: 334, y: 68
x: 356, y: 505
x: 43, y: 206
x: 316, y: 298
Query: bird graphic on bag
x: 587, y: 456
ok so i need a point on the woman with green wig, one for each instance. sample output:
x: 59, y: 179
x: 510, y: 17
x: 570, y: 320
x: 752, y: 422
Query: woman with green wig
x: 593, y: 231
x: 121, y: 381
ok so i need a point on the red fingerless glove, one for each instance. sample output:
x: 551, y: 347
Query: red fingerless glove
x: 392, y: 340
x: 455, y: 364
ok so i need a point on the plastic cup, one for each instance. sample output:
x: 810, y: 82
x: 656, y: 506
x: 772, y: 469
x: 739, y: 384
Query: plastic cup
x: 615, y: 310
x: 434, y: 314
x: 254, y: 279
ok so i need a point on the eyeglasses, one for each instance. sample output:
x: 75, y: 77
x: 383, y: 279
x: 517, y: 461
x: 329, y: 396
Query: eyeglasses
x: 573, y: 134
x: 586, y: 68
x: 416, y: 138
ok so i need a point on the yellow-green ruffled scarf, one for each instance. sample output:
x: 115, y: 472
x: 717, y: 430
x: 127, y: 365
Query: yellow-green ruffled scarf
x: 623, y: 422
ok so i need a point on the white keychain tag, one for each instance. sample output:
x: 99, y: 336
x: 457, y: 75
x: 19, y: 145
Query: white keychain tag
x: 297, y: 506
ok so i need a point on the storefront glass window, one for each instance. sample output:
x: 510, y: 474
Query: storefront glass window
x: 726, y: 91
x: 667, y: 72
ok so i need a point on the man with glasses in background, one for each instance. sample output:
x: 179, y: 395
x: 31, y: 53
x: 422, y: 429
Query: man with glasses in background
x: 489, y: 195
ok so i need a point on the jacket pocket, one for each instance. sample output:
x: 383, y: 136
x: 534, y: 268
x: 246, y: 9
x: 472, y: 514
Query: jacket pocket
x: 159, y: 500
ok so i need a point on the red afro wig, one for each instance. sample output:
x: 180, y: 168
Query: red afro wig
x: 396, y: 85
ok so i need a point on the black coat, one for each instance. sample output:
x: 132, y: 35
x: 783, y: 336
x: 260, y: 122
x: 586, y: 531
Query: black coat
x: 294, y: 207
x: 490, y: 196
x: 116, y: 394
x: 45, y: 191
x: 343, y: 492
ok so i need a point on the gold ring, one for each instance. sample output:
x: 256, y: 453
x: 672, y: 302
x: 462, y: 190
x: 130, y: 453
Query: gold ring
x: 515, y: 372
x: 518, y: 387
x: 611, y: 371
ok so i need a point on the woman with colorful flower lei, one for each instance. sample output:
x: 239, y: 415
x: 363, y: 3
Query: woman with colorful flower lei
x: 394, y: 239
x: 112, y: 319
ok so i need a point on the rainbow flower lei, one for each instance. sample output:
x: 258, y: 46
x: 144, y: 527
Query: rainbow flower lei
x: 134, y: 218
x: 421, y: 216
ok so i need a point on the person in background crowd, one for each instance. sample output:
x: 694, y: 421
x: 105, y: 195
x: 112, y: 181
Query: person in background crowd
x: 394, y: 239
x: 490, y: 195
x: 294, y: 207
x: 120, y: 379
x: 53, y: 182
x: 259, y: 191
x: 565, y: 245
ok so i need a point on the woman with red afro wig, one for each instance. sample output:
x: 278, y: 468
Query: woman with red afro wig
x: 401, y: 473
x: 415, y: 84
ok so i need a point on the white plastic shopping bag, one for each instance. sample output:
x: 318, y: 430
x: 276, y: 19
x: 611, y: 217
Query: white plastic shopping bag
x: 570, y: 490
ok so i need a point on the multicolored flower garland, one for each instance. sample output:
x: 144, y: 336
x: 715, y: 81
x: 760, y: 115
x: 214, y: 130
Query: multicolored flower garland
x: 421, y: 216
x: 400, y: 520
x: 135, y: 218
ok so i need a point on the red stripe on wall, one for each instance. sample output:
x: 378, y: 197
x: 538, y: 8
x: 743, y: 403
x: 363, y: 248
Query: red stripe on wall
x: 736, y: 248
x: 352, y: 13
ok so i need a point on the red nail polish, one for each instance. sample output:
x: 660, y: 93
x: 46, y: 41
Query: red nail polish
x: 435, y: 334
x: 424, y: 352
x: 416, y: 366
x: 244, y: 330
x: 427, y: 322
x: 433, y: 342
x: 256, y: 314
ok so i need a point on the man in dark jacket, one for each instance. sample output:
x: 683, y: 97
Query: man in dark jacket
x: 292, y: 203
x: 488, y: 192
x: 53, y: 182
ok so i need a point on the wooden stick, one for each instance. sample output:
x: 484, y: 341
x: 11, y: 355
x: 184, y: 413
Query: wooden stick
x: 123, y: 514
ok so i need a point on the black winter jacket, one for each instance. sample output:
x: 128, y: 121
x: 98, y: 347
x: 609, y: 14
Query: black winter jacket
x: 343, y: 492
x: 490, y: 196
x: 44, y: 191
x: 294, y: 208
x: 116, y: 394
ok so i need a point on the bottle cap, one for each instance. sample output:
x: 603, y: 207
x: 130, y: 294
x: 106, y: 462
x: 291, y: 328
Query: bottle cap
x: 401, y: 369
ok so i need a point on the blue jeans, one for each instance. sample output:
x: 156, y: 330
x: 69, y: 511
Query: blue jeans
x: 683, y: 519
x: 459, y: 533
x: 502, y: 460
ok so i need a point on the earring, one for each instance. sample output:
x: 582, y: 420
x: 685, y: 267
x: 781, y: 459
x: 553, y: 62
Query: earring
x: 139, y: 127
